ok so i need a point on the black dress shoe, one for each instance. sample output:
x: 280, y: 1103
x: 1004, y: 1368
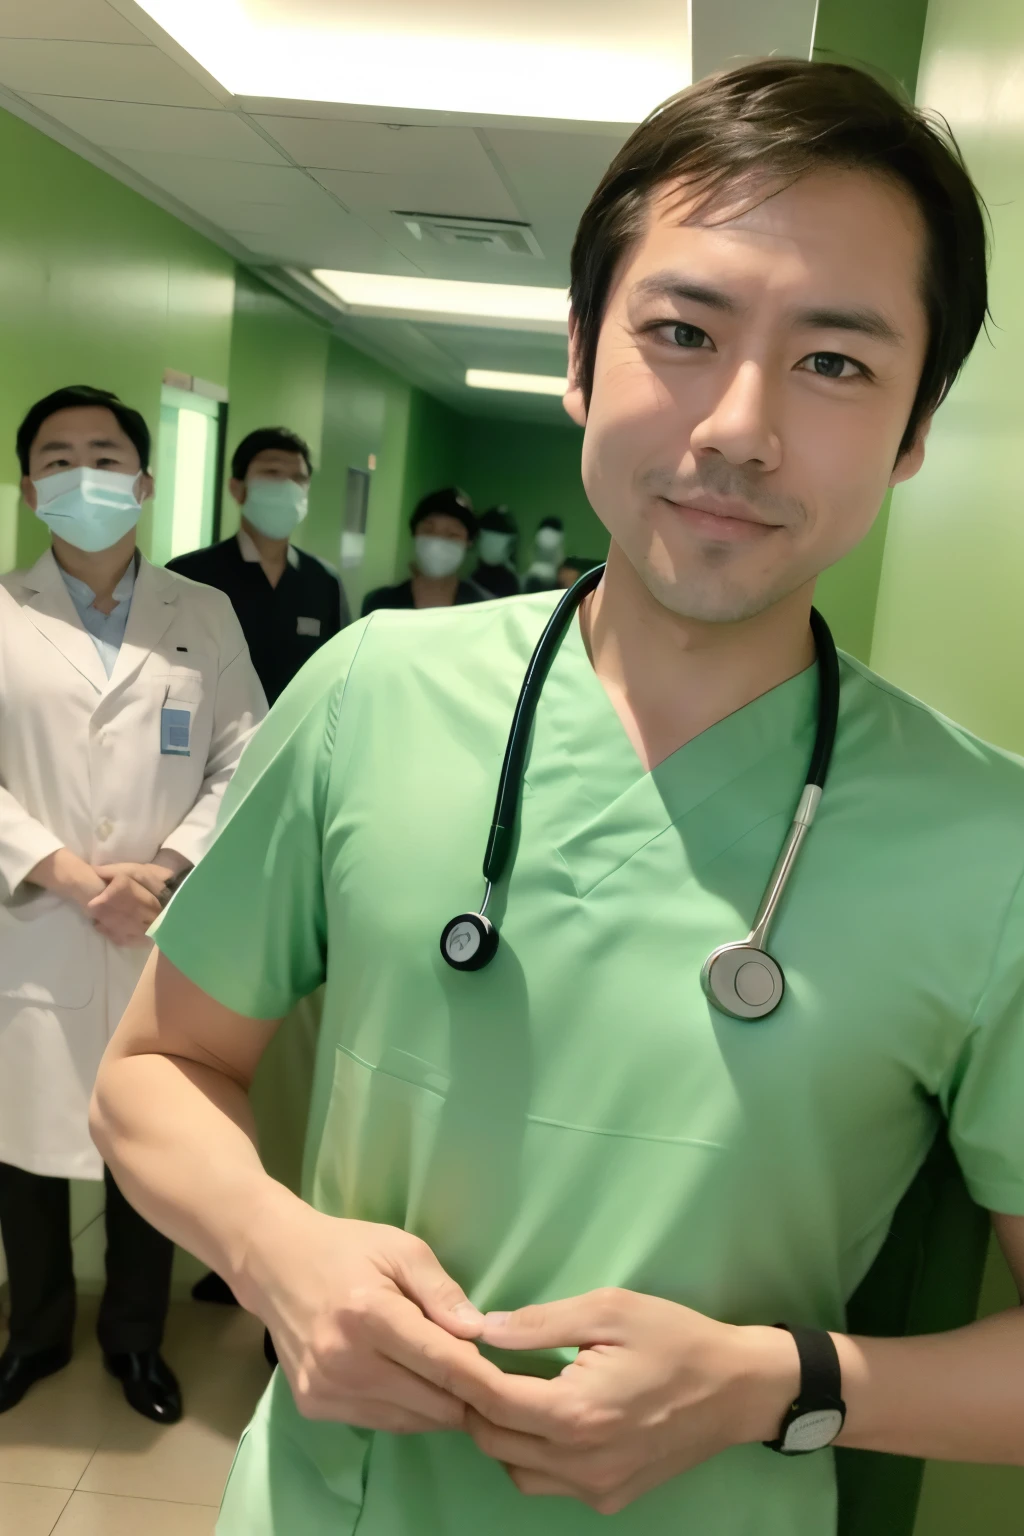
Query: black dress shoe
x: 150, y: 1386
x: 19, y: 1372
x: 212, y: 1288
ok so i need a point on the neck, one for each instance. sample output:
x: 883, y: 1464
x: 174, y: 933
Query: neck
x: 273, y: 553
x: 669, y: 677
x: 101, y: 571
x: 433, y: 591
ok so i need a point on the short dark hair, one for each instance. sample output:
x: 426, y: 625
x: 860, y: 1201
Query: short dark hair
x: 452, y: 503
x: 766, y: 124
x: 70, y: 398
x: 259, y: 441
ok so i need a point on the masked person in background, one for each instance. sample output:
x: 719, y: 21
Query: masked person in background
x: 287, y: 601
x: 126, y: 697
x: 443, y: 527
x: 496, y: 573
x: 549, y: 552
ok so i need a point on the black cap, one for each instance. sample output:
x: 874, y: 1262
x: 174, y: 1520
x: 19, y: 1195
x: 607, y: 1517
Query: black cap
x: 498, y: 520
x: 552, y: 522
x: 452, y: 502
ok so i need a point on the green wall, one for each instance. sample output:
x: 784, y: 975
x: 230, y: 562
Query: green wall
x: 950, y: 622
x: 882, y: 36
x: 97, y: 286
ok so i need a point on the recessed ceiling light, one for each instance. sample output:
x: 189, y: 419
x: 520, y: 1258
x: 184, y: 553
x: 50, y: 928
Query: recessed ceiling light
x: 594, y: 64
x: 519, y: 383
x: 505, y: 306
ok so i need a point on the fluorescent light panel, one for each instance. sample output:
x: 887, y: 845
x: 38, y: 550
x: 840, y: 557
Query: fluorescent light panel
x: 466, y: 63
x: 502, y: 305
x: 519, y: 383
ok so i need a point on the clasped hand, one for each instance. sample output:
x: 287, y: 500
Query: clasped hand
x: 371, y: 1331
x: 129, y: 902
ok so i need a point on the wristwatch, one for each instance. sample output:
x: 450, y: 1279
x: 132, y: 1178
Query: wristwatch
x: 172, y: 884
x: 819, y: 1413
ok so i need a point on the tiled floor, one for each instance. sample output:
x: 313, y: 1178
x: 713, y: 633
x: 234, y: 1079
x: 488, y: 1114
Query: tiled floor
x: 76, y: 1461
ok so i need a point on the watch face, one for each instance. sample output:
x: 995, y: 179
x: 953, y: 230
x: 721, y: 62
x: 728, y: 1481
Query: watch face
x: 812, y: 1431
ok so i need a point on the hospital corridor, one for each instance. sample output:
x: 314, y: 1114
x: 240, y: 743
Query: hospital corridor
x: 511, y: 768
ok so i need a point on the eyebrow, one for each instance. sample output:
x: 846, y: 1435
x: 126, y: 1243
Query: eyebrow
x: 95, y: 442
x: 859, y: 319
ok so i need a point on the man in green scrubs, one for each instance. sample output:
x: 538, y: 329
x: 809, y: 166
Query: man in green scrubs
x: 772, y: 290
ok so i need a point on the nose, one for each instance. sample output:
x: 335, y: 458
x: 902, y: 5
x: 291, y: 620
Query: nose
x: 739, y: 425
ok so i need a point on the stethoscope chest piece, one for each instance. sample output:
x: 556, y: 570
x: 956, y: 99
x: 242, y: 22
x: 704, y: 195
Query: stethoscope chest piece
x: 743, y: 981
x: 469, y: 942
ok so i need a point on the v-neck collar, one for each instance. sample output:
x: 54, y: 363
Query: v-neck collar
x: 604, y: 806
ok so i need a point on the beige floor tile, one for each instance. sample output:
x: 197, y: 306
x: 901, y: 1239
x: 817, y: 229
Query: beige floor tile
x: 217, y: 1354
x: 100, y: 1514
x: 51, y: 1437
x: 29, y: 1511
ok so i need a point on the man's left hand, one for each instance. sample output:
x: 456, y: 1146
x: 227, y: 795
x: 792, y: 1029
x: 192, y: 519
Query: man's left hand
x: 655, y: 1389
x: 130, y: 903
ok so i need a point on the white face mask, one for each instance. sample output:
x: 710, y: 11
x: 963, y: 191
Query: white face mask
x: 548, y: 540
x: 92, y: 509
x: 438, y: 557
x: 494, y: 547
x: 275, y: 507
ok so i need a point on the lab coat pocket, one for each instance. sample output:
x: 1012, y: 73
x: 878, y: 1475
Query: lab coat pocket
x: 45, y: 952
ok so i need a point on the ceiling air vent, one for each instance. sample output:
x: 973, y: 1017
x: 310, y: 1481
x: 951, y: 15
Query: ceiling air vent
x: 488, y: 237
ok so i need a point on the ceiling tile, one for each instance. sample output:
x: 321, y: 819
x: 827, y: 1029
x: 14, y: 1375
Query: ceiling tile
x: 479, y: 196
x: 192, y: 177
x: 398, y: 150
x: 504, y: 351
x: 83, y: 21
x: 184, y: 130
x: 553, y: 173
x: 110, y: 71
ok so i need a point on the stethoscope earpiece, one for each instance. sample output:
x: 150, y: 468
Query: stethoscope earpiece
x: 743, y: 981
x: 469, y: 942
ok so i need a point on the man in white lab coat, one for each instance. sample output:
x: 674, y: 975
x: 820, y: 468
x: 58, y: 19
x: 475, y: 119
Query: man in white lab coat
x: 126, y: 697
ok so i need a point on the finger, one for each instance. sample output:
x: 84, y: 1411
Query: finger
x: 401, y: 1388
x: 512, y: 1448
x: 368, y: 1413
x: 594, y: 1318
x: 541, y: 1484
x: 400, y: 1332
x: 529, y: 1404
x: 420, y: 1275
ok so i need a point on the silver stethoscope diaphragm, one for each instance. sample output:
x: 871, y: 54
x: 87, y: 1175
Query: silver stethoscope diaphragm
x: 739, y: 979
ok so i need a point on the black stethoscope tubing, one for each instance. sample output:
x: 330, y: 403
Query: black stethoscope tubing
x: 470, y: 941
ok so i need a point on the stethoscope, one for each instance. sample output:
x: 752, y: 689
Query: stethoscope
x: 740, y: 979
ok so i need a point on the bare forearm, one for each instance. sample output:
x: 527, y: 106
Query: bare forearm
x: 180, y: 1139
x: 955, y: 1396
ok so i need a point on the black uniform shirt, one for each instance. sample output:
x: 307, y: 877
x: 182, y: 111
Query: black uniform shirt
x: 497, y: 580
x: 401, y: 596
x: 283, y: 625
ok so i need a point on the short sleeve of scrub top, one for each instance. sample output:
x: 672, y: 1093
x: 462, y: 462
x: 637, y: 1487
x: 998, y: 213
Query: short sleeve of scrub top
x: 252, y: 931
x: 983, y: 1097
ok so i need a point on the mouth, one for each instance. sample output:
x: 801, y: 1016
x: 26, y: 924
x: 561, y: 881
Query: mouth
x: 720, y: 518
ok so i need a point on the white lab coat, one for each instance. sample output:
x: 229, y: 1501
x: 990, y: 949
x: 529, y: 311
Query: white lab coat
x: 81, y: 767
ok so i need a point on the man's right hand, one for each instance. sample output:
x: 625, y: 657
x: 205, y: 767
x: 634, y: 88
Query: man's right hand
x: 369, y: 1328
x: 66, y: 875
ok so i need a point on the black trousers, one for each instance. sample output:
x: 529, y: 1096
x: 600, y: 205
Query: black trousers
x: 35, y: 1221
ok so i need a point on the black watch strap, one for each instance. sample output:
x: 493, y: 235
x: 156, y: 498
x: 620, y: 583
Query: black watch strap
x: 173, y: 883
x: 817, y: 1416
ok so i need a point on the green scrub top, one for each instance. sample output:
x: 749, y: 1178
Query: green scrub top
x: 577, y: 1114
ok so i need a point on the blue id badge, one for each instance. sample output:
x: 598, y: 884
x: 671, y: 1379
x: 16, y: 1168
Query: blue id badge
x: 175, y: 729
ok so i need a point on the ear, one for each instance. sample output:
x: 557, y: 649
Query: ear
x: 28, y: 493
x: 147, y: 488
x: 237, y: 489
x: 573, y: 402
x: 911, y: 459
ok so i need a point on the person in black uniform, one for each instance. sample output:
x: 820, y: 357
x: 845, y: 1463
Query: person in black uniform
x: 287, y: 601
x: 443, y: 526
x: 496, y: 572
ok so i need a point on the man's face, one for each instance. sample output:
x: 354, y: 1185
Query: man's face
x: 440, y: 525
x: 83, y: 436
x: 754, y: 378
x: 271, y: 464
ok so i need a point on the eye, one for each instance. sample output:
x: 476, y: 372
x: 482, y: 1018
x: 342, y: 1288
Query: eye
x: 832, y: 365
x: 689, y: 336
